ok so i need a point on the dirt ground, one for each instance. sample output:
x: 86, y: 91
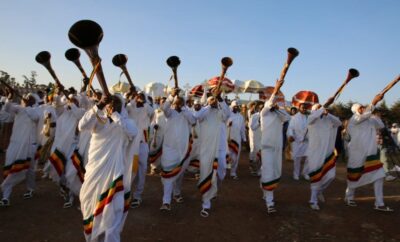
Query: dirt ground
x: 238, y: 214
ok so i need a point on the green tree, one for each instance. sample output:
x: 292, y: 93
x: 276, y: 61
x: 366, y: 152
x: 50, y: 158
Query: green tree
x: 30, y: 82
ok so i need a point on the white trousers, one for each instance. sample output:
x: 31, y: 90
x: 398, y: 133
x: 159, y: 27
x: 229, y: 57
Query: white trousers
x: 297, y: 166
x: 30, y: 178
x: 221, y: 170
x: 142, y: 170
x: 315, y: 190
x: 269, y: 198
x: 378, y: 191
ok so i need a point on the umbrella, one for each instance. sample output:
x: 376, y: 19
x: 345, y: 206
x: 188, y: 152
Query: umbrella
x: 307, y: 97
x: 119, y: 87
x: 239, y: 86
x: 197, y: 91
x: 155, y: 89
x: 227, y: 86
x: 252, y: 86
x: 265, y: 94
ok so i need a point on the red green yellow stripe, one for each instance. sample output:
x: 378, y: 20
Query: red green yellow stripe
x: 195, y: 163
x: 58, y: 160
x: 37, y: 153
x: 175, y: 171
x: 271, y: 185
x: 16, y: 166
x: 372, y: 163
x: 155, y: 155
x: 78, y: 164
x: 105, y: 198
x: 205, y: 185
x: 329, y: 163
x: 234, y: 146
x: 127, y: 201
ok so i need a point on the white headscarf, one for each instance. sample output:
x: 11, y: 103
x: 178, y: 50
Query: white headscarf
x: 355, y: 108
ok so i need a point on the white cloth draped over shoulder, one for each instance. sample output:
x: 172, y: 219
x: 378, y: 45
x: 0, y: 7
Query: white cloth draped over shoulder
x: 210, y: 120
x: 65, y: 141
x: 254, y: 135
x: 142, y: 117
x: 322, y: 130
x: 102, y: 194
x: 271, y: 144
x: 176, y: 145
x: 22, y: 146
x: 364, y: 165
x: 298, y: 130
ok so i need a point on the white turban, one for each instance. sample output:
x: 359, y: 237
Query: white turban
x: 355, y: 108
x: 235, y: 103
x: 315, y: 107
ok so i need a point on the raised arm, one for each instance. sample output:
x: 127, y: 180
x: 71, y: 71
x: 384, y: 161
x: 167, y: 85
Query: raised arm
x: 127, y: 125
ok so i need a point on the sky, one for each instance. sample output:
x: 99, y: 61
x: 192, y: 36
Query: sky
x: 332, y: 36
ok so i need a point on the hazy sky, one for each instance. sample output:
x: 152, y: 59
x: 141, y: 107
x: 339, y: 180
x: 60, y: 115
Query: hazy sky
x: 332, y: 36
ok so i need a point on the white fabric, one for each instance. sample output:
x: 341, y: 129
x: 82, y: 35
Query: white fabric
x: 65, y: 139
x: 237, y: 133
x: 322, y: 130
x: 22, y: 146
x: 210, y: 120
x: 254, y: 135
x: 362, y: 130
x: 271, y: 142
x: 107, y: 161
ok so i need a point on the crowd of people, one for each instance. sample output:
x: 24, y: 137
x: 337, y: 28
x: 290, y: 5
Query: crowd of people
x: 98, y: 148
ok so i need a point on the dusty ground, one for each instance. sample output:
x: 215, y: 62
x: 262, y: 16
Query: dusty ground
x: 238, y: 214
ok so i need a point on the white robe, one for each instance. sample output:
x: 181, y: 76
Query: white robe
x: 254, y: 136
x: 298, y: 130
x: 22, y: 146
x: 210, y: 120
x: 157, y: 138
x: 271, y: 145
x: 322, y: 130
x: 65, y: 141
x: 364, y: 166
x: 176, y: 146
x: 103, y: 194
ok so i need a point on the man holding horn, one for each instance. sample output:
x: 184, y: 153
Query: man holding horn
x: 176, y: 146
x: 271, y: 120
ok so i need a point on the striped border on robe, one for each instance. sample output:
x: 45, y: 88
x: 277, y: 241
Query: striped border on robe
x: 234, y: 146
x: 77, y: 161
x: 271, y: 185
x: 153, y: 156
x: 195, y: 163
x: 371, y: 163
x: 258, y: 155
x: 105, y: 198
x: 58, y: 160
x: 37, y: 153
x: 127, y: 201
x: 145, y: 137
x: 329, y: 163
x: 205, y: 185
x: 15, y: 167
x: 175, y: 171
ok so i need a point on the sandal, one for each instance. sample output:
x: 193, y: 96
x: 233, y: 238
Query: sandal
x: 28, y: 194
x: 204, y: 213
x: 384, y: 208
x: 178, y: 199
x: 271, y: 209
x: 135, y: 203
x: 165, y: 207
x: 350, y: 203
x: 4, y: 203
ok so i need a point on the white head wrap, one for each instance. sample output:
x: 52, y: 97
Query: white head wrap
x: 355, y: 108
